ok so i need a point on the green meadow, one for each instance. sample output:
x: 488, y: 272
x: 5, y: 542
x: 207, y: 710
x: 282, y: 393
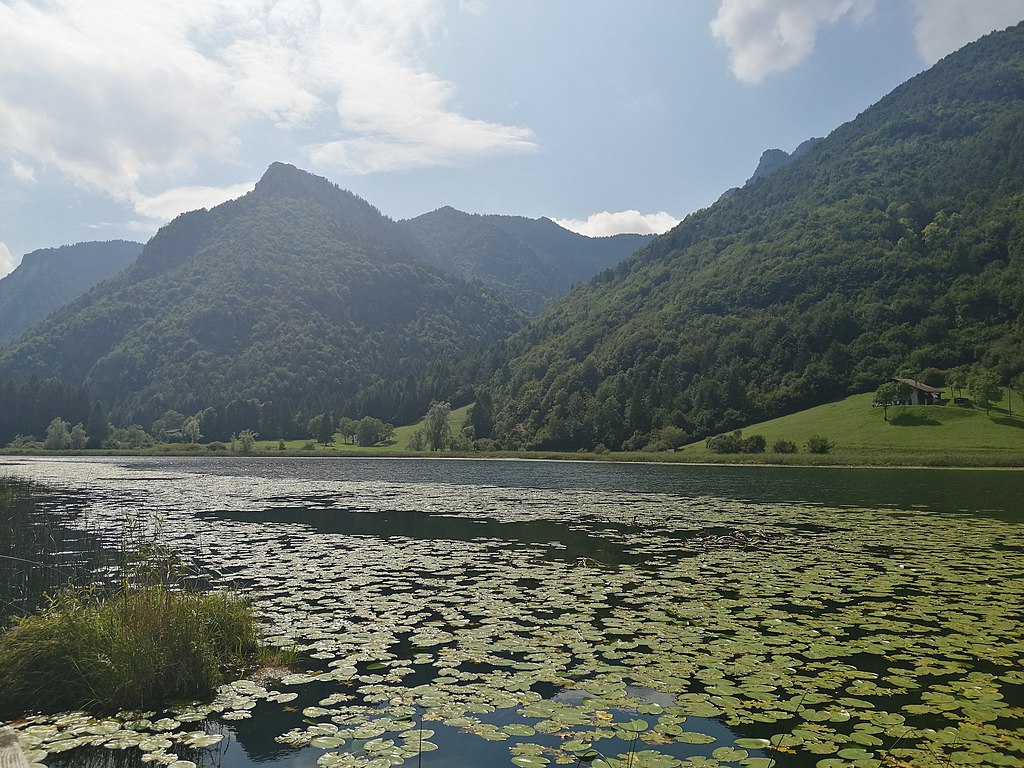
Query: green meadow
x: 860, y: 434
x: 938, y: 435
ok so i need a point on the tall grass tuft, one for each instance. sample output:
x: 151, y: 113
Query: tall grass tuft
x: 134, y: 650
x: 104, y: 630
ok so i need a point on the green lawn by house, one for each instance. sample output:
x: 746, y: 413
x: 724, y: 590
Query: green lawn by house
x: 940, y: 434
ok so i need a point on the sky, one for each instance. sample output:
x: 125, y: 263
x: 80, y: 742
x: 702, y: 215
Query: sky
x: 604, y: 115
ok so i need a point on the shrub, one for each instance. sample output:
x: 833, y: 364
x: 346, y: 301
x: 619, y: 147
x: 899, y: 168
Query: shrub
x: 818, y: 444
x: 134, y: 650
x: 600, y: 449
x: 216, y: 446
x: 783, y: 446
x: 753, y: 444
x: 727, y: 443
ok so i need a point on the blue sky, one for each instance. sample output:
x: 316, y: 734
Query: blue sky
x: 606, y: 116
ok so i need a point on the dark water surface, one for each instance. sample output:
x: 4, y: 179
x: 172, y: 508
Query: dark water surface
x: 515, y: 607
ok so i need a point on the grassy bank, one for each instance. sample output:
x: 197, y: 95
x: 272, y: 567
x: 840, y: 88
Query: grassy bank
x: 135, y: 650
x: 140, y: 637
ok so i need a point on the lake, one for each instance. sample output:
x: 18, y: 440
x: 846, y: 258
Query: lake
x: 486, y: 613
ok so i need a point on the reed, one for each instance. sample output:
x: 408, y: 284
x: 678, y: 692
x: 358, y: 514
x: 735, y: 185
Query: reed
x: 145, y: 634
x: 134, y: 650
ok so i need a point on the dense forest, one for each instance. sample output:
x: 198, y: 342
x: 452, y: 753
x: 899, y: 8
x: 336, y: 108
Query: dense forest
x: 49, y: 278
x: 298, y: 297
x: 531, y: 262
x: 894, y: 245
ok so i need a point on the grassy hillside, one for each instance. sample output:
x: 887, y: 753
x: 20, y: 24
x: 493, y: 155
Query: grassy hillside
x: 927, y: 435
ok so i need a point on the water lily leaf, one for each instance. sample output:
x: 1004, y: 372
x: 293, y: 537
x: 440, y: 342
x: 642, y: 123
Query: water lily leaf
x: 530, y: 761
x: 326, y: 742
x: 729, y: 754
x: 748, y: 743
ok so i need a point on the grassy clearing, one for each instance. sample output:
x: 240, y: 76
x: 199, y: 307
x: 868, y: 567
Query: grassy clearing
x: 913, y: 435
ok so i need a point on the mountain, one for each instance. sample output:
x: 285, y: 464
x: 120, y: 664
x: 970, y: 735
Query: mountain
x: 771, y: 161
x: 531, y: 262
x: 49, y: 278
x: 298, y: 293
x: 774, y: 159
x: 896, y: 243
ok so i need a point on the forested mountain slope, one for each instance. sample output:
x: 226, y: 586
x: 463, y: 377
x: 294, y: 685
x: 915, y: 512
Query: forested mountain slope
x: 49, y: 278
x: 896, y: 243
x: 531, y: 262
x: 298, y: 293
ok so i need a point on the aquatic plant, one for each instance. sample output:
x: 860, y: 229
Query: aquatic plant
x: 137, y: 649
x: 705, y: 632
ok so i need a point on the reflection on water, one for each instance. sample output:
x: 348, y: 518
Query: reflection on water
x: 533, y: 609
x: 554, y: 540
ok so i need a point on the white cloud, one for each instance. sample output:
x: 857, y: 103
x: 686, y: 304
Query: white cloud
x: 130, y: 94
x: 168, y: 204
x: 943, y: 26
x: 605, y: 223
x: 765, y: 37
x: 22, y: 172
x: 7, y: 260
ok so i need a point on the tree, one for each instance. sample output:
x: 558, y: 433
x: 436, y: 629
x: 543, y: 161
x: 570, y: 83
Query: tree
x: 1016, y: 385
x: 136, y: 436
x: 984, y: 388
x: 57, y: 435
x: 417, y: 441
x: 244, y: 441
x: 957, y: 378
x: 325, y: 432
x: 190, y: 429
x: 672, y: 436
x: 97, y: 427
x: 890, y: 393
x: 437, y: 431
x: 481, y: 415
x: 78, y: 438
x: 347, y: 428
x: 171, y: 422
x: 371, y: 431
x: 465, y: 439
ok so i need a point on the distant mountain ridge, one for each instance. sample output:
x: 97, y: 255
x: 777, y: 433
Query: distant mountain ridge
x: 896, y: 243
x: 298, y: 293
x: 531, y: 262
x: 49, y: 278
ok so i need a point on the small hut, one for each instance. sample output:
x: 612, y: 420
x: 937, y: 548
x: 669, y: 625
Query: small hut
x: 921, y: 393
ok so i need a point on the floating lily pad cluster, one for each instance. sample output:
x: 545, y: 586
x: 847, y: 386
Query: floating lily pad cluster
x: 736, y: 634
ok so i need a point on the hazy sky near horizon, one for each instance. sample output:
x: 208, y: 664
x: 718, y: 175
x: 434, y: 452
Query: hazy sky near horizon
x: 605, y: 116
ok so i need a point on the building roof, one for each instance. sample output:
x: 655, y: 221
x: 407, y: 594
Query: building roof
x: 919, y: 385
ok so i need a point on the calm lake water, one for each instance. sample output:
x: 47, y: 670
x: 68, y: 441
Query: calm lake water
x: 476, y: 613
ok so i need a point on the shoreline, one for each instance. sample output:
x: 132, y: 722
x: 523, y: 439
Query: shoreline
x: 1011, y: 462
